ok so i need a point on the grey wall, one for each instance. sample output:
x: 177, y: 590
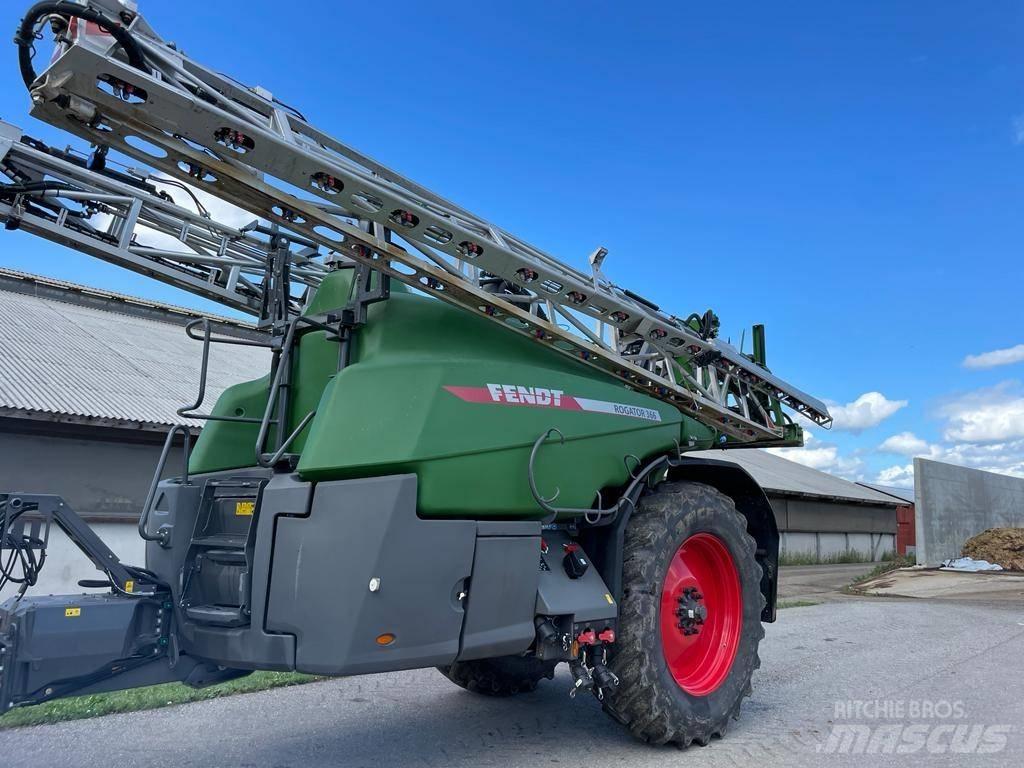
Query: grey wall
x: 102, y: 473
x: 821, y: 515
x: 954, y: 503
x: 823, y: 528
x: 99, y: 472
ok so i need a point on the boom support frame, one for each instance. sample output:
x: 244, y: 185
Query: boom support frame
x: 240, y: 144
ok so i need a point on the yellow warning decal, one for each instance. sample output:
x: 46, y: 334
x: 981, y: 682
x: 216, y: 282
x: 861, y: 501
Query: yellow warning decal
x: 609, y: 599
x: 69, y: 612
x: 244, y: 508
x: 129, y: 586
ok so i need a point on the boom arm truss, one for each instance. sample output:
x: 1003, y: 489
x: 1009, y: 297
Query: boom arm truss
x: 130, y: 220
x: 114, y: 82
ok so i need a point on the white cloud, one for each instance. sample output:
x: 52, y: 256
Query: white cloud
x: 820, y: 457
x: 868, y: 410
x: 219, y: 210
x: 905, y: 444
x: 1005, y: 458
x: 985, y: 415
x: 823, y: 457
x: 984, y: 430
x: 995, y: 358
x: 898, y: 476
x: 996, y: 421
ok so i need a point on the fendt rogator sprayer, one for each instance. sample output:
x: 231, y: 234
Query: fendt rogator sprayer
x: 465, y: 454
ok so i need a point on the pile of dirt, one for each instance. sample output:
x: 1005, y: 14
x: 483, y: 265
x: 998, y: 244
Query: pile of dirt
x: 998, y: 545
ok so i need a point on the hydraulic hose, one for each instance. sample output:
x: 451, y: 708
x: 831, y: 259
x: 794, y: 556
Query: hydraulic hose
x: 18, y: 550
x: 25, y: 37
x: 8, y: 190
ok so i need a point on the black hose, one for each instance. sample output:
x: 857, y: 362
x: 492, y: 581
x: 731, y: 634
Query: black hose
x: 22, y: 557
x: 9, y: 190
x: 25, y: 37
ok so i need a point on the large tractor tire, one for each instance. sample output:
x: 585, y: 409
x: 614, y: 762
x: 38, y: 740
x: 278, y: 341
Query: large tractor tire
x: 689, y: 618
x: 504, y: 676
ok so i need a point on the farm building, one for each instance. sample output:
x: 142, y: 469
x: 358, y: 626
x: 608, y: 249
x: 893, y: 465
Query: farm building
x: 820, y: 516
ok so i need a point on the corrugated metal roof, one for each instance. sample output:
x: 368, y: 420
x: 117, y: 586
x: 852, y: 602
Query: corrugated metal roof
x: 905, y: 494
x: 65, y: 358
x: 74, y: 291
x: 775, y: 473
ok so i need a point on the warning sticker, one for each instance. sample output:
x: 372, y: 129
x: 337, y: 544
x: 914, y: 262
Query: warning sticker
x: 69, y: 612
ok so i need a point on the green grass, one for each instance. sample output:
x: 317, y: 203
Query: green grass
x: 901, y: 561
x: 781, y: 604
x: 151, y: 697
x: 810, y: 558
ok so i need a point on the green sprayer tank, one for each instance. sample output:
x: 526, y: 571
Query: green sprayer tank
x: 458, y: 401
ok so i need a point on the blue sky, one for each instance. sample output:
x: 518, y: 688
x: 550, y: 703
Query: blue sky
x: 848, y: 174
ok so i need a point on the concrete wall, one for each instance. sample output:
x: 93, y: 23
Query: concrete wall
x: 954, y: 503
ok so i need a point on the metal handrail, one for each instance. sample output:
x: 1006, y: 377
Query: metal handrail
x: 283, y: 363
x: 207, y: 338
x: 276, y: 456
x: 161, y: 535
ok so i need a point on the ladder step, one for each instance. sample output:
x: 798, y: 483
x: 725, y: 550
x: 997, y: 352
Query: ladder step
x: 225, y: 542
x: 217, y: 615
x: 225, y: 556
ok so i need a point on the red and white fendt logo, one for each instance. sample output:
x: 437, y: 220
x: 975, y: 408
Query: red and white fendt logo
x: 542, y: 397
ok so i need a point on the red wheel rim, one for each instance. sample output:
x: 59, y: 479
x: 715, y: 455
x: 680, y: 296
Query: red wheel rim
x: 701, y: 614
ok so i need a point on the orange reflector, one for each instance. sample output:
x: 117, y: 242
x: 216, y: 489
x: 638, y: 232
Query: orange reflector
x: 386, y: 639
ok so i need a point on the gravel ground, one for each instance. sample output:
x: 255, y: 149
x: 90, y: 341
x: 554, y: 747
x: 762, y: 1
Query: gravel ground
x: 899, y: 652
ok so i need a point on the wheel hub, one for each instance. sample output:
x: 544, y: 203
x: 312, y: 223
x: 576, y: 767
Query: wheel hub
x: 691, y: 611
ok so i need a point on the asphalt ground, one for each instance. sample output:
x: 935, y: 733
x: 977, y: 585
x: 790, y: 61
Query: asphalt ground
x: 818, y: 582
x: 857, y: 681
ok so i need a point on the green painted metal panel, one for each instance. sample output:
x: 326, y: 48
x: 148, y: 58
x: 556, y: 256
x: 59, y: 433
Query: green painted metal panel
x: 458, y: 401
x: 229, y: 445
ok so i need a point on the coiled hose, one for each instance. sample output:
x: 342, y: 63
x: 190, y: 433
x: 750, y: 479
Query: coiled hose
x: 25, y: 37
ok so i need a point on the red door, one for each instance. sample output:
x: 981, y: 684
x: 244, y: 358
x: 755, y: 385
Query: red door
x: 905, y: 530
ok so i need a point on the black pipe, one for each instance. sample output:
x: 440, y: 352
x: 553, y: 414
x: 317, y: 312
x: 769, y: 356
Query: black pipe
x: 9, y: 190
x: 24, y: 38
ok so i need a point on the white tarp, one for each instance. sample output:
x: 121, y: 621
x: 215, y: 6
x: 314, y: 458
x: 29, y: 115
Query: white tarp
x: 970, y: 564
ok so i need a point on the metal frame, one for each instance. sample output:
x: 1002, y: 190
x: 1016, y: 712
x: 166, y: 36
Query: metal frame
x: 238, y: 143
x: 112, y: 215
x: 53, y: 509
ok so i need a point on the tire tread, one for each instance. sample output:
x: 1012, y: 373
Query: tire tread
x: 641, y: 703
